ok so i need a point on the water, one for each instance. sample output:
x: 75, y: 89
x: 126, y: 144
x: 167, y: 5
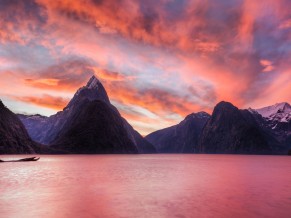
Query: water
x: 146, y: 186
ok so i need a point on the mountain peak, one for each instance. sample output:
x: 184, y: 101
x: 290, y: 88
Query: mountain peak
x: 283, y: 105
x: 93, y: 82
x: 268, y: 111
x: 94, y: 90
x: 198, y: 115
x: 225, y: 105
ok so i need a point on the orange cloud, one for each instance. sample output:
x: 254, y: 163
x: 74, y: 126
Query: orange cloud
x: 285, y: 24
x: 268, y: 65
x: 150, y: 26
x: 47, y: 101
x: 41, y: 83
x: 110, y: 75
x: 8, y: 35
x: 51, y: 84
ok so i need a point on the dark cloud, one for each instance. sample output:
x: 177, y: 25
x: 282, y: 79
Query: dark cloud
x: 21, y: 20
x: 98, y: 2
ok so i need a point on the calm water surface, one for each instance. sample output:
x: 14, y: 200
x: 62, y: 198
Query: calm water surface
x: 146, y: 186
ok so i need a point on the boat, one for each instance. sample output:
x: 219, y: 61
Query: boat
x: 22, y: 160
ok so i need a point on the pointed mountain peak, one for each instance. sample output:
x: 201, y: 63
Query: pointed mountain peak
x: 93, y: 82
x: 93, y: 90
x: 224, y: 109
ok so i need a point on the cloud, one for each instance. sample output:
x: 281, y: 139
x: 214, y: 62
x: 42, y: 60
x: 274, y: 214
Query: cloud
x: 143, y: 22
x: 110, y: 75
x: 285, y: 24
x: 155, y: 100
x: 67, y: 75
x: 42, y: 82
x: 47, y: 101
x: 20, y: 21
x: 268, y: 65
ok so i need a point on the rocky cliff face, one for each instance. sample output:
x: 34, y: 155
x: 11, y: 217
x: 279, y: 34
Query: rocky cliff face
x: 181, y: 138
x: 94, y: 128
x: 233, y: 131
x: 14, y: 138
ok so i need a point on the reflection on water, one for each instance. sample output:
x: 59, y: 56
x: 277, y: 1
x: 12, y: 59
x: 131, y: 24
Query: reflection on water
x: 146, y: 186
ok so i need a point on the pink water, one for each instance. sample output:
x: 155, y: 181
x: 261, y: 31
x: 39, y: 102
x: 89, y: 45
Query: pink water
x: 146, y: 186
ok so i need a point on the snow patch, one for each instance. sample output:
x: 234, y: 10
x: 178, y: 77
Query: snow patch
x: 280, y: 112
x: 93, y: 83
x: 274, y: 109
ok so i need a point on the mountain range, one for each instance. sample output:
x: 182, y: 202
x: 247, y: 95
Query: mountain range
x: 229, y: 130
x: 90, y: 124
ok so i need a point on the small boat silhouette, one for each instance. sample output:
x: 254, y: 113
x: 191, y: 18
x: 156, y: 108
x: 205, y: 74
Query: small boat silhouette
x: 22, y: 160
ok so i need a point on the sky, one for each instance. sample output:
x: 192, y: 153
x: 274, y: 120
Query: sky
x: 159, y: 60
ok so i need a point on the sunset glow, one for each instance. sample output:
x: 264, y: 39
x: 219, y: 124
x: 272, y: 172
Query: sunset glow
x: 159, y: 60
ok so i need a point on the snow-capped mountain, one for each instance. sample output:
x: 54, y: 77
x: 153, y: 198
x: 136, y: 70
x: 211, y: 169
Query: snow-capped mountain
x: 277, y: 117
x: 277, y: 120
x: 280, y: 112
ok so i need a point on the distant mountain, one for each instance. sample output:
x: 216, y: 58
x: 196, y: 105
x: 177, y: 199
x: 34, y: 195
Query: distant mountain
x: 50, y: 130
x: 180, y: 138
x: 14, y: 138
x: 233, y: 131
x: 34, y: 125
x: 280, y: 112
x: 277, y: 121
